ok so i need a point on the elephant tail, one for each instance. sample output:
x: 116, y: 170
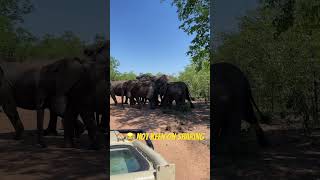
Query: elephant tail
x: 264, y: 119
x: 189, y: 97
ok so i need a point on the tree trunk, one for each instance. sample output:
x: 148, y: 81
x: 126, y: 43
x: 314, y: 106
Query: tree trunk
x: 315, y: 88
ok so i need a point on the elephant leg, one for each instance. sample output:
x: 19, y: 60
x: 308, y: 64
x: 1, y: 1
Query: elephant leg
x: 51, y: 130
x: 122, y: 101
x: 79, y: 128
x: 68, y: 123
x: 104, y: 121
x: 216, y: 135
x: 40, y: 118
x: 114, y: 99
x: 139, y: 102
x: 253, y: 121
x: 97, y: 118
x: 151, y: 104
x: 132, y: 102
x: 232, y: 129
x: 180, y: 102
x: 11, y: 111
x: 189, y: 99
x: 91, y: 127
x: 126, y: 101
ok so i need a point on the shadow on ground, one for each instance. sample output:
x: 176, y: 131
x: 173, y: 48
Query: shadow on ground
x: 147, y: 119
x: 290, y: 156
x: 24, y: 160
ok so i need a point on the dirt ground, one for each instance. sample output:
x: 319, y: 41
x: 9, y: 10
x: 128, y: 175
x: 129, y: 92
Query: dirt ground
x: 24, y: 160
x: 290, y: 155
x: 192, y: 158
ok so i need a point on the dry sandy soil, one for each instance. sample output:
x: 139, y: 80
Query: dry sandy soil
x: 290, y: 155
x: 192, y: 158
x: 24, y: 160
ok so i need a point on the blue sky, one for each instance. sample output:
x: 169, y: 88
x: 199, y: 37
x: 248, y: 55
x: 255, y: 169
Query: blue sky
x: 145, y: 37
x: 85, y: 18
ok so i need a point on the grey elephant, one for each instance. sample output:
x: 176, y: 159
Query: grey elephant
x: 141, y: 89
x: 77, y: 81
x: 84, y: 101
x: 160, y: 83
x: 146, y: 77
x: 118, y: 88
x: 20, y: 89
x: 178, y: 92
x: 232, y: 102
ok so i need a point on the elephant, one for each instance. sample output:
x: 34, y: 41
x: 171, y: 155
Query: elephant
x: 21, y: 88
x: 86, y: 90
x: 160, y: 82
x: 141, y: 89
x: 100, y: 109
x: 178, y: 92
x: 118, y: 88
x: 146, y: 77
x: 77, y: 81
x: 101, y: 101
x: 232, y: 102
x: 101, y: 104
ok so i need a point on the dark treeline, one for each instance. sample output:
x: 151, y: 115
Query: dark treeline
x: 277, y: 46
x: 19, y: 44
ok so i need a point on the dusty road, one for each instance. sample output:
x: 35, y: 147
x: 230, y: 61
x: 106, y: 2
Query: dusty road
x: 23, y: 160
x: 192, y: 158
x: 290, y: 155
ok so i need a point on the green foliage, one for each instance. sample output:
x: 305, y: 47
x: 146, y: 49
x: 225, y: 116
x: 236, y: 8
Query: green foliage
x: 19, y: 44
x: 52, y: 47
x: 126, y: 76
x: 278, y: 47
x: 14, y: 10
x: 197, y: 81
x: 115, y: 75
x: 194, y: 15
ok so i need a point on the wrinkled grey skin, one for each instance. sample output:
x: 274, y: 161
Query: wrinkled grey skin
x: 20, y: 89
x: 160, y: 86
x: 9, y: 105
x: 232, y: 102
x: 118, y: 88
x: 86, y: 90
x: 146, y: 77
x: 101, y: 104
x: 178, y: 92
x: 77, y: 81
x: 141, y: 89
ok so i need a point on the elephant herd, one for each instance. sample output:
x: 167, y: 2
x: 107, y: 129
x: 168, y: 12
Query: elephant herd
x: 69, y: 87
x: 72, y: 87
x: 150, y: 88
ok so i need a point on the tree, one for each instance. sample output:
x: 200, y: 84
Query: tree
x: 198, y: 81
x: 114, y: 64
x: 14, y: 10
x: 277, y: 46
x: 194, y: 15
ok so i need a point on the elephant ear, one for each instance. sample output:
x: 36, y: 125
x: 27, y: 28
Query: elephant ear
x: 63, y: 75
